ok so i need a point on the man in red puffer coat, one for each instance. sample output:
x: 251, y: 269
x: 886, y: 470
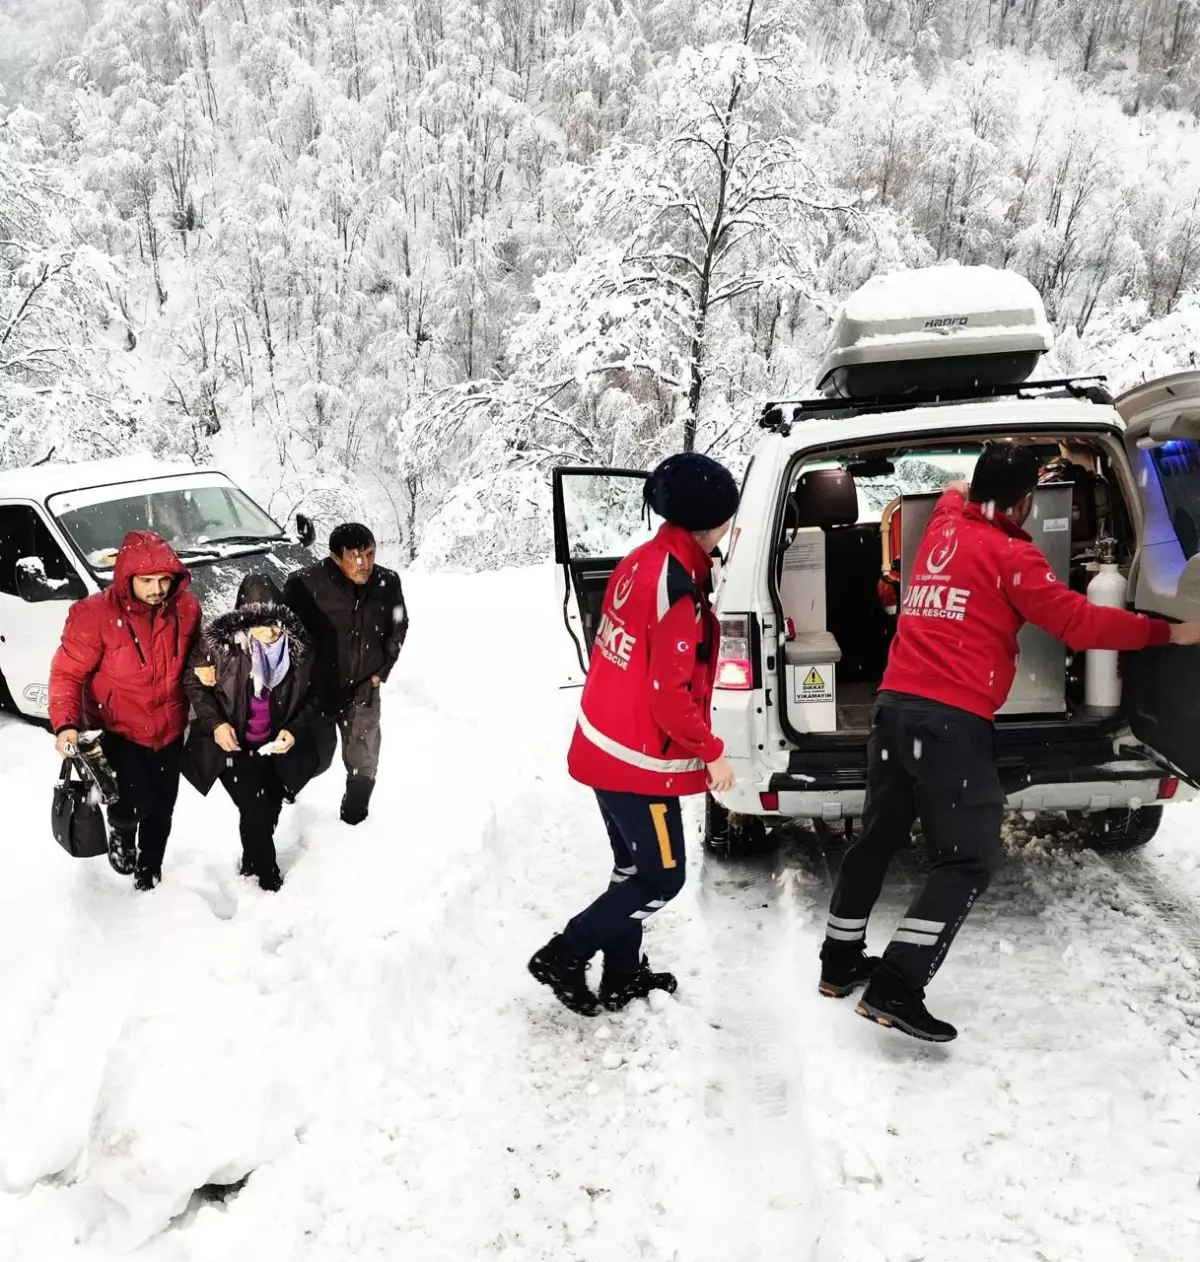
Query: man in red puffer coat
x: 120, y: 668
x: 644, y: 739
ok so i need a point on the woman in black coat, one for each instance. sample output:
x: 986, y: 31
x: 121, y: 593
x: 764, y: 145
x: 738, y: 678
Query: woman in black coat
x: 256, y: 727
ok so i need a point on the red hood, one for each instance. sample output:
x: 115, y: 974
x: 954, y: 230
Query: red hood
x: 144, y: 552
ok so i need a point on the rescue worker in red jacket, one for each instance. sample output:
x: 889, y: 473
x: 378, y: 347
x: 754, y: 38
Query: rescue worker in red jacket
x: 977, y: 579
x: 120, y: 669
x: 643, y: 738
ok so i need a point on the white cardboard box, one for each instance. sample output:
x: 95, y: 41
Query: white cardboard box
x: 802, y: 582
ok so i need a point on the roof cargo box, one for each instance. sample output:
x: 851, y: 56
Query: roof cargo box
x: 935, y: 329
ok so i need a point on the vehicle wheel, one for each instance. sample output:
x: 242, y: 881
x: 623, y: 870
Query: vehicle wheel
x: 725, y: 834
x: 1120, y: 829
x: 716, y: 826
x: 748, y: 832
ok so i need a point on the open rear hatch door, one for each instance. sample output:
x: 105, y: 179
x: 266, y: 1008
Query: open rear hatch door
x: 1162, y: 685
x: 599, y: 518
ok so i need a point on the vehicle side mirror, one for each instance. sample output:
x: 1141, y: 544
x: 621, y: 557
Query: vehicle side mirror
x: 34, y: 586
x: 306, y: 532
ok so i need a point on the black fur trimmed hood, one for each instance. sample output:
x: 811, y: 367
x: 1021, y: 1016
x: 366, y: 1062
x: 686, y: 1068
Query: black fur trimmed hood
x: 231, y: 630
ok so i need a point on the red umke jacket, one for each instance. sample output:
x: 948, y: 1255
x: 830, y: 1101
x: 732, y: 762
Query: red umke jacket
x: 974, y: 584
x: 121, y: 662
x: 644, y: 721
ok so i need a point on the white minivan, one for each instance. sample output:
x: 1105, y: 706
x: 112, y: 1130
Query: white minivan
x: 61, y: 526
x: 925, y: 368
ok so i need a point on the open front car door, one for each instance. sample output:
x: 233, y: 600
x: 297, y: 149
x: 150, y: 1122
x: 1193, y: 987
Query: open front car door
x: 1162, y: 685
x: 599, y: 518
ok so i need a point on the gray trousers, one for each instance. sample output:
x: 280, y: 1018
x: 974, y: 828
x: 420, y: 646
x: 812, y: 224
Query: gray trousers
x: 359, y: 726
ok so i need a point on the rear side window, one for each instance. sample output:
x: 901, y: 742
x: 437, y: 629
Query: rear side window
x: 1178, y: 466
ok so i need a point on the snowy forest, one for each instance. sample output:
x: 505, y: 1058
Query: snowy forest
x: 394, y: 259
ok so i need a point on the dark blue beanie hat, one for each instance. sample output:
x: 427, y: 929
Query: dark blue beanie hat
x: 692, y: 491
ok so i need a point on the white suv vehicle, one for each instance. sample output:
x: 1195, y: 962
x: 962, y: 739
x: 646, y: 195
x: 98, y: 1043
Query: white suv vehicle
x: 925, y: 369
x: 61, y: 526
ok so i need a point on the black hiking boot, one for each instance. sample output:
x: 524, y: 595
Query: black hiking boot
x: 889, y: 1000
x: 270, y: 878
x: 618, y: 989
x: 122, y: 848
x: 566, y: 974
x: 357, y: 799
x: 845, y: 966
x: 146, y: 877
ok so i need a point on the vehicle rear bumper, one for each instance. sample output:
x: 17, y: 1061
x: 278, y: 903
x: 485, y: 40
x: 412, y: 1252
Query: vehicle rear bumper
x: 839, y: 793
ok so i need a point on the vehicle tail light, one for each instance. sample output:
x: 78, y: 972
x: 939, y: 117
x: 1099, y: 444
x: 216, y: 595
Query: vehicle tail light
x: 770, y: 802
x: 1167, y: 787
x: 735, y: 672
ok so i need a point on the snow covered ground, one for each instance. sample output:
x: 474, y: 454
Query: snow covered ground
x: 367, y: 1047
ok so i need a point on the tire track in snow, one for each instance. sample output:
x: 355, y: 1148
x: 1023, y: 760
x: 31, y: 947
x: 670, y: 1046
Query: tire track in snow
x: 1131, y: 932
x: 1175, y: 913
x: 761, y: 1202
x: 1055, y: 1061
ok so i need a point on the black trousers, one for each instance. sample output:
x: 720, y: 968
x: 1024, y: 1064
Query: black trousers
x: 251, y: 781
x: 936, y: 763
x: 147, y: 785
x: 649, y: 869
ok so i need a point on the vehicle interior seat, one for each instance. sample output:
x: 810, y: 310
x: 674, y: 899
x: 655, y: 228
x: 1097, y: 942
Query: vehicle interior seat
x: 827, y: 498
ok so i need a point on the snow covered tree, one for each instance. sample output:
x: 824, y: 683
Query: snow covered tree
x: 56, y: 394
x: 717, y: 203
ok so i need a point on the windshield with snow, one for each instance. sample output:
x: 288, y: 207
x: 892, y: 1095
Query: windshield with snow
x: 198, y: 522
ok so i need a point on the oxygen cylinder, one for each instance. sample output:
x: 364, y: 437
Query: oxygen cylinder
x: 1102, y: 680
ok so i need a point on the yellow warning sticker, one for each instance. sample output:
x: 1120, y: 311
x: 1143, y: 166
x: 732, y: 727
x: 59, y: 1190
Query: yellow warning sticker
x: 815, y: 685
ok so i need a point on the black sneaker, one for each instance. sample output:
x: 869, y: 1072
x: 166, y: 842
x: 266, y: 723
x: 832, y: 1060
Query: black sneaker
x: 357, y: 799
x: 566, y: 974
x: 122, y: 850
x: 845, y: 966
x: 889, y: 1000
x: 147, y: 878
x: 270, y: 879
x: 618, y: 989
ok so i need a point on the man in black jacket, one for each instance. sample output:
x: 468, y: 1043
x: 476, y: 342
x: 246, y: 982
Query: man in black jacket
x: 354, y: 611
